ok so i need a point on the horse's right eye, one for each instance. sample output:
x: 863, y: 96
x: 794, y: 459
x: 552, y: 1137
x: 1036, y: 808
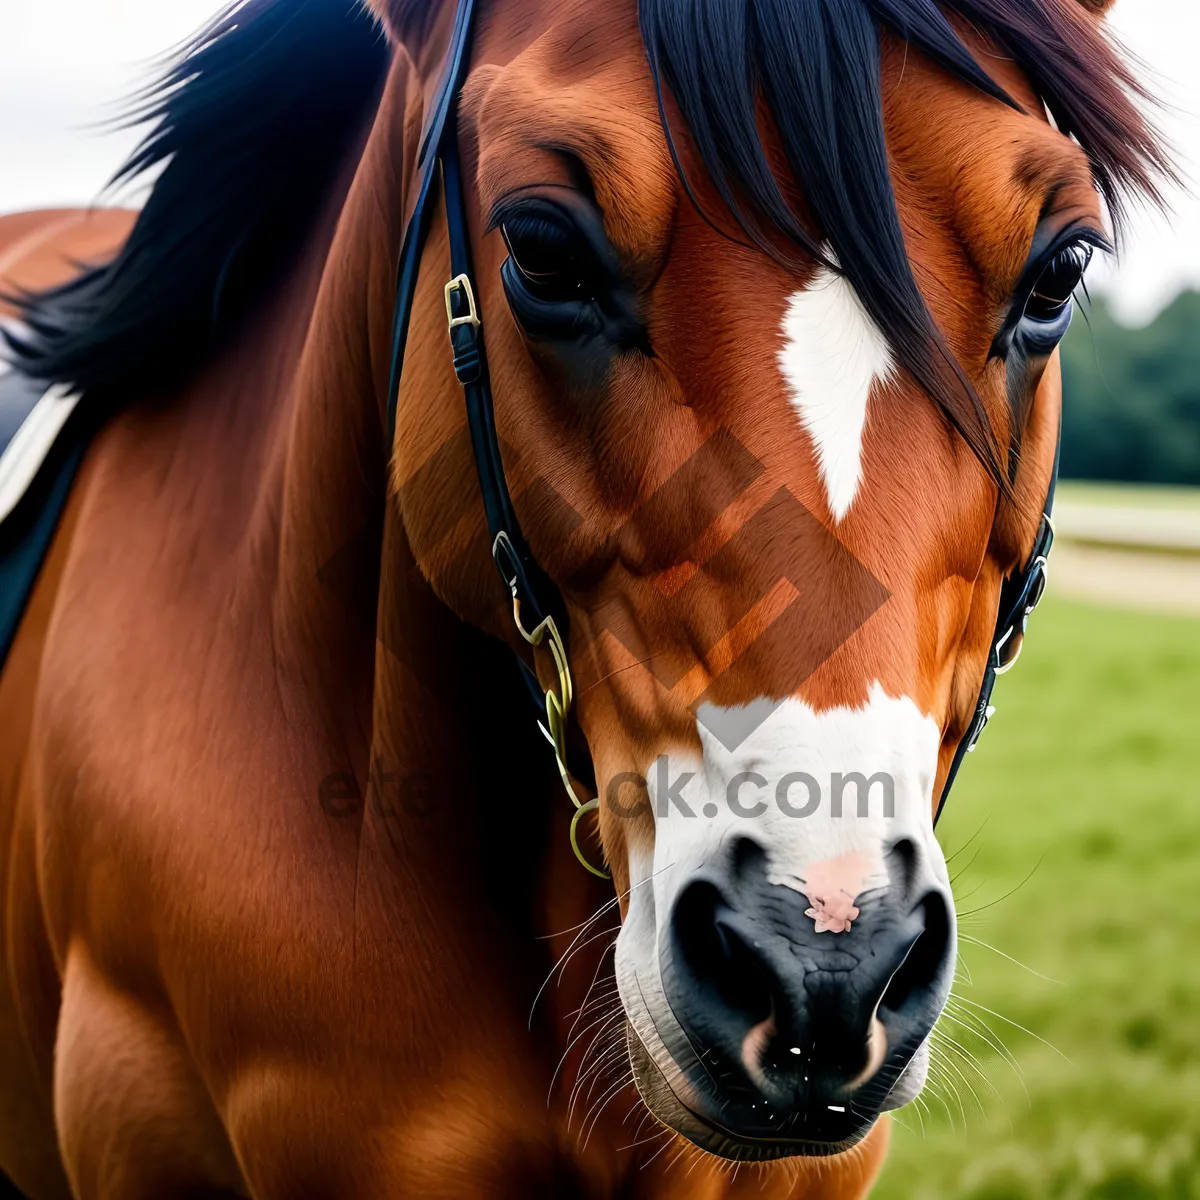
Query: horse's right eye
x: 551, y: 256
x: 563, y: 278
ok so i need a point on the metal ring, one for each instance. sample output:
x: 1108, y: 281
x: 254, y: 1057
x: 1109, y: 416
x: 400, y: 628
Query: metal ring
x: 590, y: 806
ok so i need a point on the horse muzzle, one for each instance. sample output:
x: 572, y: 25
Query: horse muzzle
x: 789, y: 1025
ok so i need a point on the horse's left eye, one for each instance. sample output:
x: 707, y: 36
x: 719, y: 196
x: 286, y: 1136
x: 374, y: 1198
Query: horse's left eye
x: 1051, y: 295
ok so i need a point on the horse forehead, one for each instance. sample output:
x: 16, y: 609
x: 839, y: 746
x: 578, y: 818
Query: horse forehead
x: 972, y: 174
x: 579, y: 89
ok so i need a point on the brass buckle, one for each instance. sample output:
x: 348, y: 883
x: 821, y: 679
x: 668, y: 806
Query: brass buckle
x: 558, y: 709
x: 461, y: 283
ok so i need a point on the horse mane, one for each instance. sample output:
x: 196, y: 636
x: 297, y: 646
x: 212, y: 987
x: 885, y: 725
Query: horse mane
x: 254, y: 116
x: 252, y: 119
x: 816, y: 65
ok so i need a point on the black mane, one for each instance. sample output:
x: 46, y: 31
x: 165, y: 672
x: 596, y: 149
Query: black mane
x: 252, y: 120
x: 816, y: 64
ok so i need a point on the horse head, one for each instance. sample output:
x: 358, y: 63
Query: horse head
x: 771, y: 296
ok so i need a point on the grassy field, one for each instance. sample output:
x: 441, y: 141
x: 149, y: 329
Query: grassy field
x: 1077, y: 826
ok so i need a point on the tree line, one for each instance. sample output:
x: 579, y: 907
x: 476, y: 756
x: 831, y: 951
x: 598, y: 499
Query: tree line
x: 1131, y: 407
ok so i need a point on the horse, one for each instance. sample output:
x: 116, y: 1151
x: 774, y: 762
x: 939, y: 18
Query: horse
x: 770, y: 296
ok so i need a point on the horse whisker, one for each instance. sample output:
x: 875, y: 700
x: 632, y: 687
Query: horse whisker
x: 612, y: 1092
x: 1000, y: 899
x: 990, y: 1038
x: 966, y: 937
x: 963, y: 1053
x: 603, y: 1020
x: 671, y: 1136
x: 583, y: 928
x: 594, y: 1071
x: 949, y: 1065
x: 1014, y: 1024
x: 583, y: 945
x: 982, y: 827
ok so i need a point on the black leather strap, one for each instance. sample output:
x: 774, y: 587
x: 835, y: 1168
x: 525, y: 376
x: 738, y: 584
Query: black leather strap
x: 445, y: 107
x: 1019, y: 596
x: 526, y: 581
x: 528, y: 584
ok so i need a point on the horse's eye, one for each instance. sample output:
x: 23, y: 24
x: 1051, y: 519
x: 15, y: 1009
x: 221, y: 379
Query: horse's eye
x: 554, y: 259
x: 1056, y: 285
x: 563, y: 278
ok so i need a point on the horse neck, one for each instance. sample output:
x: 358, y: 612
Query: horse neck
x: 400, y: 682
x: 460, y: 800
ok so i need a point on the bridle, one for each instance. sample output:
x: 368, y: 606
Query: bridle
x: 1019, y: 596
x: 538, y: 610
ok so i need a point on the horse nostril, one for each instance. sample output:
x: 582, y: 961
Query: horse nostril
x: 748, y: 857
x: 925, y: 962
x: 716, y: 957
x: 904, y: 854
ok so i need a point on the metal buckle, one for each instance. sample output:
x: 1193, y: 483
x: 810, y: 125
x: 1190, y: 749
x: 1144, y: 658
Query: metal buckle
x: 985, y: 718
x: 461, y: 283
x: 1033, y: 591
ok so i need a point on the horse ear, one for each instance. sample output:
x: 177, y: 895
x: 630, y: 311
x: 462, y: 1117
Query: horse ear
x: 401, y: 18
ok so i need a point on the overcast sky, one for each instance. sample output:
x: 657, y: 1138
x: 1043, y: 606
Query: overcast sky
x: 64, y: 65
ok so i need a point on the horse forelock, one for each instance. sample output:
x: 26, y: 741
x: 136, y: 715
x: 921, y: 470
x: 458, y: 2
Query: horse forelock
x: 817, y: 69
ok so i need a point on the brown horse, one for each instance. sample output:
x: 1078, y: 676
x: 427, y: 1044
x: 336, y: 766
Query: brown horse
x: 771, y: 295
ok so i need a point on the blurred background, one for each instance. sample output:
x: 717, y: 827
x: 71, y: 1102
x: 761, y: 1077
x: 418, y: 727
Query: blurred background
x: 1069, y: 1063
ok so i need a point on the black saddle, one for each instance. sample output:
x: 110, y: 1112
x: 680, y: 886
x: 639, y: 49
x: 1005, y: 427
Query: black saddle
x: 42, y: 440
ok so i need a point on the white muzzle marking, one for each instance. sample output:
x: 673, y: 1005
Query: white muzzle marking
x: 825, y: 794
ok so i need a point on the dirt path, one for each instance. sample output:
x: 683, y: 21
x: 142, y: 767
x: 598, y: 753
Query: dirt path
x: 1125, y: 578
x: 1129, y: 547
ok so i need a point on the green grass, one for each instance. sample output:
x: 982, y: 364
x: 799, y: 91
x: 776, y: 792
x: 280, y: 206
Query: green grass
x: 1129, y: 495
x: 1090, y: 779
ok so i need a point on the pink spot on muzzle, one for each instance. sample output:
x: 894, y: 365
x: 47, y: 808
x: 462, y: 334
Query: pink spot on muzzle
x: 832, y: 887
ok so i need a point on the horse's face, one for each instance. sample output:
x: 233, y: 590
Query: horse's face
x: 781, y: 564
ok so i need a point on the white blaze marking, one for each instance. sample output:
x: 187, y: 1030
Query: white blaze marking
x: 832, y: 355
x: 888, y: 736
